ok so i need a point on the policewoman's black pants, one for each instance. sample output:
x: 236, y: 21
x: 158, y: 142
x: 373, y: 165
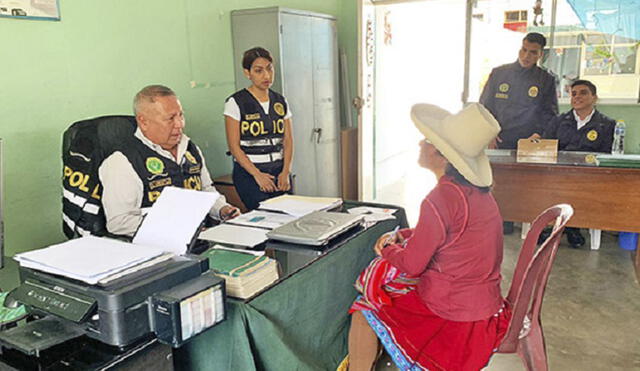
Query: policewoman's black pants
x: 248, y: 188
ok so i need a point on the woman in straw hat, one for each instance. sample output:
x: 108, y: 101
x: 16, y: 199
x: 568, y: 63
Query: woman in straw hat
x: 442, y: 308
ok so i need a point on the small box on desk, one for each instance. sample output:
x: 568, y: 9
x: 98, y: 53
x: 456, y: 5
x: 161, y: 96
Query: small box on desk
x: 538, y: 150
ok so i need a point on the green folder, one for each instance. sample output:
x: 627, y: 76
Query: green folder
x: 234, y: 264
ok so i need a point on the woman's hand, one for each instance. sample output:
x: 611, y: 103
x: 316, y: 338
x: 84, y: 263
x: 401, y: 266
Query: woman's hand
x: 387, y: 239
x: 265, y: 182
x: 283, y: 182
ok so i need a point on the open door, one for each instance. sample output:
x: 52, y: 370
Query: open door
x: 364, y: 101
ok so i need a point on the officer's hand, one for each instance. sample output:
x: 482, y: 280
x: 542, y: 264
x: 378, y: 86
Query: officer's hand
x: 534, y: 137
x: 229, y: 212
x: 265, y: 182
x: 494, y: 143
x: 283, y: 182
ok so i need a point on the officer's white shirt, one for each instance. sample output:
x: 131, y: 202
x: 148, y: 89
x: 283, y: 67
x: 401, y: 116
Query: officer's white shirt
x: 232, y: 109
x: 123, y: 190
x: 580, y: 123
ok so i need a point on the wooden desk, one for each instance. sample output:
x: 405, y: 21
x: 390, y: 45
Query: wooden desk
x: 602, y: 197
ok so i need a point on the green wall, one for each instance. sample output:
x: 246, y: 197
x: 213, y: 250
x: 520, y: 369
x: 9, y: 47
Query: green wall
x: 92, y: 63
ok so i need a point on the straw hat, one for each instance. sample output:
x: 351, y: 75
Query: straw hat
x: 461, y: 138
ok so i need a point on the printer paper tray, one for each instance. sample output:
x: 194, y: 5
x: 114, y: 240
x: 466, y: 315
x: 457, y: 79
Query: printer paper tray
x: 36, y: 336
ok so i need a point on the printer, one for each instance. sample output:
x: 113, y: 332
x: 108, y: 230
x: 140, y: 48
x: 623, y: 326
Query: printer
x: 172, y: 300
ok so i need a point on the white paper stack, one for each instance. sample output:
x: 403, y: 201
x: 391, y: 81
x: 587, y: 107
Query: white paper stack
x: 166, y: 231
x: 373, y: 215
x: 300, y: 205
x: 174, y: 219
x: 89, y: 259
x: 262, y: 219
x: 235, y: 235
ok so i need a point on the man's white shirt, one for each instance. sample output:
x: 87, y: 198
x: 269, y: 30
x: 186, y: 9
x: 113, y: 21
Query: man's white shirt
x: 123, y: 190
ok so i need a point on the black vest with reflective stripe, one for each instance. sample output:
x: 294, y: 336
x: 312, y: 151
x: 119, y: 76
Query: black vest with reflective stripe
x: 261, y: 132
x: 85, y: 144
x: 156, y: 171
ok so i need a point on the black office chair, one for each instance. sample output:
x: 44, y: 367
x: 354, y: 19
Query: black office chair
x: 85, y: 144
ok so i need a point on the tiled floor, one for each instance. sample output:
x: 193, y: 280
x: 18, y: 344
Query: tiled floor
x: 591, y: 310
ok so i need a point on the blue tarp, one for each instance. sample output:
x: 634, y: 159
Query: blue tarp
x: 616, y: 17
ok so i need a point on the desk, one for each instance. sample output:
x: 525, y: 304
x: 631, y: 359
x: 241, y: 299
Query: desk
x: 602, y: 197
x: 300, y: 323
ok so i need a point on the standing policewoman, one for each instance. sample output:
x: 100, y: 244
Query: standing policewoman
x: 258, y: 125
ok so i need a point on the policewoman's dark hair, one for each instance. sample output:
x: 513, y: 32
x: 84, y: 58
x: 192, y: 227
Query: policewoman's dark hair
x: 254, y: 53
x: 458, y: 178
x: 586, y: 83
x: 538, y: 38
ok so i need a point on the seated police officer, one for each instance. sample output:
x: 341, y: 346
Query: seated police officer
x: 583, y: 128
x: 158, y: 155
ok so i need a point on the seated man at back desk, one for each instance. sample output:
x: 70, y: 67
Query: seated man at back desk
x: 158, y: 155
x: 583, y: 128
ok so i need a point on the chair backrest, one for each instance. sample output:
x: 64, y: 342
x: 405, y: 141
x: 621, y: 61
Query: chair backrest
x: 85, y: 144
x: 532, y: 272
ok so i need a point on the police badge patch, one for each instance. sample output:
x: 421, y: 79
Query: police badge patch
x: 190, y: 157
x: 533, y: 91
x: 592, y: 135
x: 154, y: 165
x: 279, y: 108
x: 504, y: 87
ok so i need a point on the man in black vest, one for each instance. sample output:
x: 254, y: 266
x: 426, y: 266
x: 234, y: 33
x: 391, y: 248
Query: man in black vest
x: 583, y: 128
x: 159, y: 155
x: 522, y: 97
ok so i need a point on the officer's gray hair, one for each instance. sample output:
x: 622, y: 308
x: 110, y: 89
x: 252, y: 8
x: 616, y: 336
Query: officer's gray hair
x: 148, y: 93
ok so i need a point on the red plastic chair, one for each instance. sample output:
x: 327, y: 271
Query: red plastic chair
x: 524, y: 334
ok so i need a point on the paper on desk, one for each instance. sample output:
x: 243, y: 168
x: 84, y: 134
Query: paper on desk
x: 244, y: 251
x: 262, y: 219
x: 235, y: 235
x: 87, y: 259
x: 174, y: 219
x: 300, y: 205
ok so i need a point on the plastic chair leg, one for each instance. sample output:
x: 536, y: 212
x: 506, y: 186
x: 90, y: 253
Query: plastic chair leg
x: 595, y: 238
x: 525, y: 230
x: 532, y: 351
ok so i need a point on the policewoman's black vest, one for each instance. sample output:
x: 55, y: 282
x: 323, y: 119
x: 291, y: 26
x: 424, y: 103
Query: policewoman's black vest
x: 261, y: 133
x: 156, y: 171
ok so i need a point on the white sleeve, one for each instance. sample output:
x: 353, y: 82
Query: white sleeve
x: 288, y: 114
x: 207, y: 186
x: 121, y: 195
x: 232, y: 109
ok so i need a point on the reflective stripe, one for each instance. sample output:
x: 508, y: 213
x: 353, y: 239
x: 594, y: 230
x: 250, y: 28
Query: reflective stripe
x: 261, y: 159
x: 81, y: 202
x: 72, y: 225
x: 261, y: 142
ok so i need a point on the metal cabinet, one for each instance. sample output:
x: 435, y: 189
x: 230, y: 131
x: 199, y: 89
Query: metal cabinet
x: 304, y: 49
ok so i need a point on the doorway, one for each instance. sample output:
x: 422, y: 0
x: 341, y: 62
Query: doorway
x: 418, y: 57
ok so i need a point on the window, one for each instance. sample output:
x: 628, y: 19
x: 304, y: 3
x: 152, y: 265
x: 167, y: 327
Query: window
x: 581, y: 48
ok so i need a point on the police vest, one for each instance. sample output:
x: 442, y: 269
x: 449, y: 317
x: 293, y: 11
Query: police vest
x: 261, y: 133
x: 156, y: 171
x: 85, y: 145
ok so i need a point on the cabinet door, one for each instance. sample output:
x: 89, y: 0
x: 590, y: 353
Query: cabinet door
x: 297, y: 83
x: 326, y: 111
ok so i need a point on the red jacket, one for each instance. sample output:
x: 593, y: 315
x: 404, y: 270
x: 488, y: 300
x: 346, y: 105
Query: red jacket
x: 456, y: 250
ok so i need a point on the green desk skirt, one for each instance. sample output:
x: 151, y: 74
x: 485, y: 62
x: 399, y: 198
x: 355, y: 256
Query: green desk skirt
x: 299, y: 324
